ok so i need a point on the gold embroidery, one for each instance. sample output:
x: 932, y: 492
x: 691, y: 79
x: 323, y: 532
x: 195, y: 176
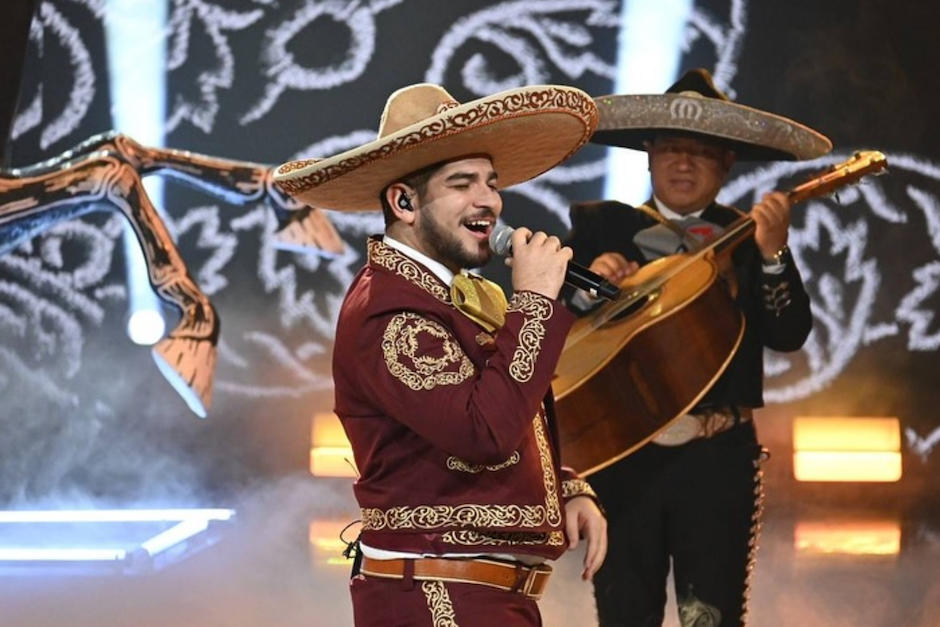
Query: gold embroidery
x: 442, y: 609
x: 292, y: 166
x: 455, y: 463
x: 426, y: 372
x: 392, y: 260
x: 468, y: 515
x: 469, y: 537
x: 536, y: 309
x: 576, y: 487
x: 429, y: 517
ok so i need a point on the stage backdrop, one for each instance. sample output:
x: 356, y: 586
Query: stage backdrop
x: 85, y: 415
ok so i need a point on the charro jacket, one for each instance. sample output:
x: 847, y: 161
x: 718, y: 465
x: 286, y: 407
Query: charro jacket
x: 451, y: 426
x: 775, y: 306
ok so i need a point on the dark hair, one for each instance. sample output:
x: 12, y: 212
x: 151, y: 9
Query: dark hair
x: 417, y: 180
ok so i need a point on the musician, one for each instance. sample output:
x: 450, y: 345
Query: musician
x: 441, y: 386
x: 694, y: 493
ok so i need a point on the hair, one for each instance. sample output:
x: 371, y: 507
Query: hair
x: 417, y: 180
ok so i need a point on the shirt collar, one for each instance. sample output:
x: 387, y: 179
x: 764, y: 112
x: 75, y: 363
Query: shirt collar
x: 669, y: 214
x: 436, y: 267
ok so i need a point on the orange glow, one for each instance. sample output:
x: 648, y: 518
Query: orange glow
x: 846, y: 449
x: 325, y: 544
x: 873, y: 537
x: 330, y: 453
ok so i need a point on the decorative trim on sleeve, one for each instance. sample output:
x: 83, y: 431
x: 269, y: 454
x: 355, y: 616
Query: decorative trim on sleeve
x: 536, y: 309
x: 417, y: 367
x: 571, y: 488
x: 777, y: 297
x: 455, y: 463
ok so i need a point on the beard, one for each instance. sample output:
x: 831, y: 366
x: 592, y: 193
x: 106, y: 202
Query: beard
x: 447, y: 248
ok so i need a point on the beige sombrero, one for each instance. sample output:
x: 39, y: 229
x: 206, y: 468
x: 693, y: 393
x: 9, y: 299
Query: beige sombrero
x: 525, y: 132
x: 694, y: 105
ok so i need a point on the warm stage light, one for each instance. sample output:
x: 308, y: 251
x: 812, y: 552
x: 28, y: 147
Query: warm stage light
x: 326, y: 547
x: 857, y: 537
x: 846, y: 449
x: 330, y: 453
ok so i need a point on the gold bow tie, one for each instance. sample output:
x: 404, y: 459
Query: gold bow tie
x: 480, y: 300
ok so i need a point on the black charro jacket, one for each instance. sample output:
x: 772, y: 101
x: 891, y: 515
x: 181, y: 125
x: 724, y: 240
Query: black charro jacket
x: 776, y: 306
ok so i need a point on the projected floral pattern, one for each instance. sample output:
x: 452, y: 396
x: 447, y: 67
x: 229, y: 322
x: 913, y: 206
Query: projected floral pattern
x: 255, y: 68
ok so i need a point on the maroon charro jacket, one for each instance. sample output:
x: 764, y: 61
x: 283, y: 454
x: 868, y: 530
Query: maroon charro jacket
x: 452, y: 427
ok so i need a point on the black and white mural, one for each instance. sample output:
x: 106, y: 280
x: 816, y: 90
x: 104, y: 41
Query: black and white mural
x: 86, y: 416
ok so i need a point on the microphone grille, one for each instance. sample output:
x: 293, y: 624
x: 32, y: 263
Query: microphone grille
x: 501, y: 240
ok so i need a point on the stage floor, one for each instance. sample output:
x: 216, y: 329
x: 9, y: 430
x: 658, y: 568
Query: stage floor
x: 276, y: 564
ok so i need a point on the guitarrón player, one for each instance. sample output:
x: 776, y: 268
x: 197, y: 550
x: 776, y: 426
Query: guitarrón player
x: 694, y: 493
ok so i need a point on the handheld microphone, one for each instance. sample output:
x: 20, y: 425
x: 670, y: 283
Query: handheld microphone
x: 576, y: 275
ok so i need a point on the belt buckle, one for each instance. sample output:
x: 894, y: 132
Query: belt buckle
x: 529, y: 582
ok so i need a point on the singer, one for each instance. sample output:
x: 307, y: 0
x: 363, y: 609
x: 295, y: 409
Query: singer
x: 441, y: 385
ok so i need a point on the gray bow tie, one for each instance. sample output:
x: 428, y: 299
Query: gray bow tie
x: 660, y: 240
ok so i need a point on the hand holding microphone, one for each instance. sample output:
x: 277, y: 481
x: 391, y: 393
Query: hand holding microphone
x: 540, y: 264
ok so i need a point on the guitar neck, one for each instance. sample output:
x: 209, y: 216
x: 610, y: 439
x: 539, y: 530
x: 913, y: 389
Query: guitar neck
x: 737, y: 232
x: 861, y: 164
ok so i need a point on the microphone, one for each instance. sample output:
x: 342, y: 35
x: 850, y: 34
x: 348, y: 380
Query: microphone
x: 576, y: 275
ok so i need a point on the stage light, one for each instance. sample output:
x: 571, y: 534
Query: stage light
x: 112, y: 515
x: 117, y: 540
x: 651, y: 36
x: 877, y: 537
x: 846, y: 449
x: 136, y: 44
x: 330, y: 452
x: 145, y: 326
x: 61, y: 555
x: 326, y: 547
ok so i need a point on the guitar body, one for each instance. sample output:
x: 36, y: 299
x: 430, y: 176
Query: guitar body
x: 620, y: 382
x: 639, y: 362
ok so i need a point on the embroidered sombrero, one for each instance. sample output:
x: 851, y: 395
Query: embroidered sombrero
x: 694, y: 105
x: 525, y: 132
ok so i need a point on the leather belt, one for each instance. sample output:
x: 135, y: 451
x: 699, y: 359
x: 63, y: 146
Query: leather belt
x: 527, y: 580
x: 705, y: 424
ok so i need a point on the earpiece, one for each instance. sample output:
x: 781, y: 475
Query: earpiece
x: 405, y: 203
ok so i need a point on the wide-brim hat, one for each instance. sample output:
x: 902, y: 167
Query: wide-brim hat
x: 695, y: 106
x: 524, y: 131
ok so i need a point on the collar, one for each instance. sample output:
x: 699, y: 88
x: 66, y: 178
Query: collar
x: 669, y: 214
x: 439, y: 270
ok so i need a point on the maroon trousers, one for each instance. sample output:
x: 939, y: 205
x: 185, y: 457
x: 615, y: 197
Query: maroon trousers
x: 379, y: 602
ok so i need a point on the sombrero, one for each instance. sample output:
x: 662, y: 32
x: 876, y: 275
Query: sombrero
x: 694, y: 105
x: 524, y: 131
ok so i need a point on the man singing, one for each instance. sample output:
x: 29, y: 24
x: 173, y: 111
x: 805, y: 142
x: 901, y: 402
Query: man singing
x: 441, y: 384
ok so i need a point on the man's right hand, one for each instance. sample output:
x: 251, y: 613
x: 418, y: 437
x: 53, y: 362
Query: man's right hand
x: 614, y: 267
x: 539, y: 262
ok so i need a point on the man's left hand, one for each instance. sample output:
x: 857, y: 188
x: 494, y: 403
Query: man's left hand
x: 585, y: 520
x: 772, y: 219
